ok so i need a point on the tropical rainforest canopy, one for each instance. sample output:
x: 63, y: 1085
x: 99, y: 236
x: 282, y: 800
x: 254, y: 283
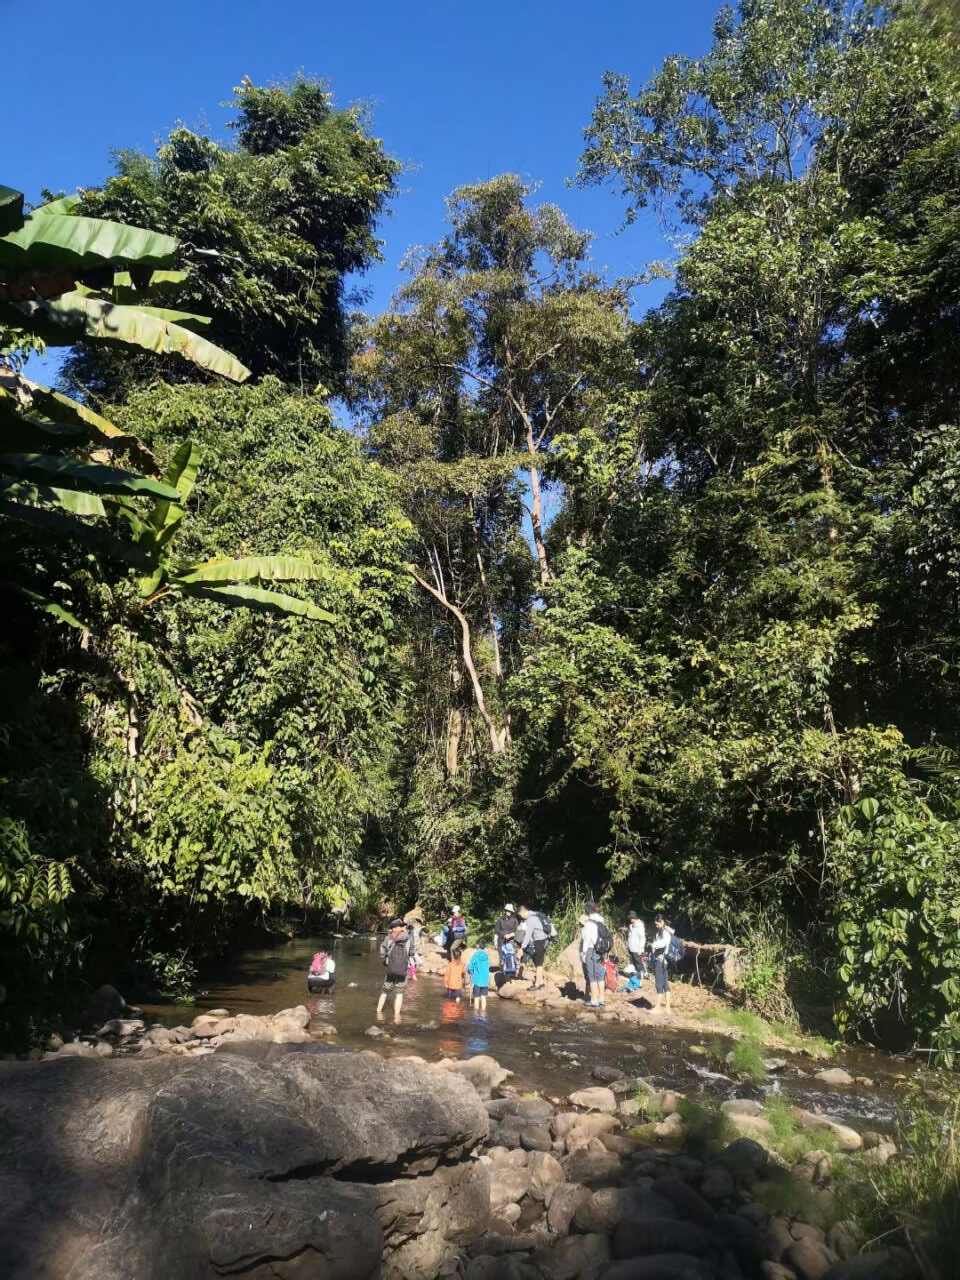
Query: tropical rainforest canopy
x: 663, y: 601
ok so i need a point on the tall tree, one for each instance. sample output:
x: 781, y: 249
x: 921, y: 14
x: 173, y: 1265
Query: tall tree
x: 274, y: 230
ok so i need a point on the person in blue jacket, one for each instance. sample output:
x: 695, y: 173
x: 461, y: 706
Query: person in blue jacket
x: 479, y: 971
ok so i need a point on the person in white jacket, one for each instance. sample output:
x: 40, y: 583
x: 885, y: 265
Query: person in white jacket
x: 636, y: 941
x: 590, y: 958
x: 661, y: 974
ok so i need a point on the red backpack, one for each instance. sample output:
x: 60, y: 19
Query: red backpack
x: 610, y: 975
x: 318, y: 962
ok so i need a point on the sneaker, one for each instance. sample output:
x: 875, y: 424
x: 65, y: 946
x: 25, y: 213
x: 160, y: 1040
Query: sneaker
x: 533, y: 987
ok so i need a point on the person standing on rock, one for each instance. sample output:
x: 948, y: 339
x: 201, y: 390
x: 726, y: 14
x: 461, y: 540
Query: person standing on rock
x: 506, y: 929
x: 595, y: 944
x: 533, y: 944
x: 395, y: 954
x: 661, y: 963
x: 636, y: 941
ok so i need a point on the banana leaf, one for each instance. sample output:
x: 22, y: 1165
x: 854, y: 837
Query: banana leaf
x: 256, y: 598
x: 65, y: 205
x: 126, y: 288
x: 73, y: 316
x: 69, y: 473
x: 55, y: 240
x: 66, y: 527
x: 72, y: 500
x: 11, y: 209
x: 256, y: 568
x: 166, y: 515
x: 52, y: 607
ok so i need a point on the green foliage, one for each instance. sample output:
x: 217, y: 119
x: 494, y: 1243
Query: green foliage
x: 746, y: 1060
x: 915, y: 1198
x: 274, y: 226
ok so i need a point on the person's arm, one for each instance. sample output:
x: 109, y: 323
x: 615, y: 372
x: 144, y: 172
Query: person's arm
x: 642, y: 934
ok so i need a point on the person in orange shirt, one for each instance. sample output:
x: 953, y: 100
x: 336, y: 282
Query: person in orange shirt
x: 453, y: 978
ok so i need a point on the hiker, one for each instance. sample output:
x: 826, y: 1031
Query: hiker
x: 414, y: 923
x: 453, y: 976
x: 395, y: 954
x: 596, y: 942
x: 662, y: 946
x: 636, y: 941
x: 479, y: 971
x: 454, y: 932
x: 533, y: 944
x: 506, y: 929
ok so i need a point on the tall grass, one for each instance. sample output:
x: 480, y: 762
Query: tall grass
x: 916, y: 1195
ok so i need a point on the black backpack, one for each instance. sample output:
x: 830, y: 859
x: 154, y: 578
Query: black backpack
x: 604, y: 942
x: 549, y: 928
x: 398, y: 959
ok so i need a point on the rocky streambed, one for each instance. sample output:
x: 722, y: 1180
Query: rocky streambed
x: 250, y: 1148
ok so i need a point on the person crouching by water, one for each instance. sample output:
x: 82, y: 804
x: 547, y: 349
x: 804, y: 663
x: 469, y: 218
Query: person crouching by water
x: 395, y: 954
x: 322, y: 973
x: 479, y: 971
x: 533, y: 944
x: 453, y: 976
x: 661, y: 963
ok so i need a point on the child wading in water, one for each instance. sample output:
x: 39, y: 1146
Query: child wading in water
x: 453, y: 978
x: 479, y: 971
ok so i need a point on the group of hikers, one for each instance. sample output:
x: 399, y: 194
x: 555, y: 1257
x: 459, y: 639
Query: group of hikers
x: 522, y: 936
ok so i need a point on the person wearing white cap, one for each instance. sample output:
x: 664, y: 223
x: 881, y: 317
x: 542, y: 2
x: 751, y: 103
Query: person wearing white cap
x: 506, y: 929
x: 454, y: 932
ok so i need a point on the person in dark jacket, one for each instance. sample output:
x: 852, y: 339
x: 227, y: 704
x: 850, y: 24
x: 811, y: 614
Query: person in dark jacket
x: 506, y: 929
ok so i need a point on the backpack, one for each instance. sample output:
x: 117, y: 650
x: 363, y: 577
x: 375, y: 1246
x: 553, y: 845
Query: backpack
x: 318, y: 962
x: 610, y: 975
x: 508, y: 960
x: 458, y: 927
x: 549, y: 928
x: 675, y: 950
x: 604, y: 942
x: 398, y: 958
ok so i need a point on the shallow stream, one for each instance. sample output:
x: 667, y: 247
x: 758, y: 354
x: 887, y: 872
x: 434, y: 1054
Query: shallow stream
x: 547, y: 1053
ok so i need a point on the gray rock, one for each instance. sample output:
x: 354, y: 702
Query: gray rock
x: 607, y: 1075
x: 809, y: 1260
x: 567, y: 1122
x: 122, y: 1027
x: 744, y: 1156
x: 844, y: 1239
x: 498, y: 1108
x: 596, y: 1098
x: 664, y: 1266
x: 834, y: 1076
x: 238, y: 1154
x: 566, y: 1200
x: 601, y: 1211
x: 638, y: 1236
x: 776, y: 1271
x: 592, y: 1168
x: 880, y: 1154
x: 690, y: 1203
x: 508, y: 1184
x: 847, y: 1139
x: 534, y: 1138
x: 545, y: 1174
x: 741, y: 1107
x: 506, y: 1267
x: 629, y: 1107
x: 570, y: 1256
x: 717, y: 1183
x: 162, y: 1035
x: 482, y: 1071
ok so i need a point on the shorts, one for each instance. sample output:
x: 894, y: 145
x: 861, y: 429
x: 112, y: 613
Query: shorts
x: 480, y: 991
x: 593, y: 969
x: 450, y: 994
x: 537, y: 952
x: 394, y: 984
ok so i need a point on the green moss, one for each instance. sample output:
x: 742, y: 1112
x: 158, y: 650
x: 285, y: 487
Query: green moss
x: 751, y: 1024
x: 746, y: 1059
x: 790, y: 1141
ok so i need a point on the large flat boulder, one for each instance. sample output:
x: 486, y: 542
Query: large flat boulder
x: 289, y: 1163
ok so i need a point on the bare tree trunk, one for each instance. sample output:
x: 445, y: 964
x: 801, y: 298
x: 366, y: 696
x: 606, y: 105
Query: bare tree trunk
x: 494, y: 638
x: 454, y: 734
x: 498, y: 737
x: 536, y: 510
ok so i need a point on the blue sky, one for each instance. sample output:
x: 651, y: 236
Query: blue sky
x: 460, y: 91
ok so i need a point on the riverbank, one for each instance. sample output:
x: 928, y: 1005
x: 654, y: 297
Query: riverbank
x: 254, y: 1148
x: 694, y: 1009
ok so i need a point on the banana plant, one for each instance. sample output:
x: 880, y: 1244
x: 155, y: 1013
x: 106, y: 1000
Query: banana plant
x: 66, y: 471
x: 66, y: 278
x: 223, y: 580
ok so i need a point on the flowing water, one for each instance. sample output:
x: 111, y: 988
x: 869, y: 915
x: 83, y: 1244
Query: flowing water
x: 551, y: 1054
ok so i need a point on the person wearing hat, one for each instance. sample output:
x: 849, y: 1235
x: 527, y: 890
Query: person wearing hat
x: 636, y: 941
x: 395, y: 953
x: 506, y: 929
